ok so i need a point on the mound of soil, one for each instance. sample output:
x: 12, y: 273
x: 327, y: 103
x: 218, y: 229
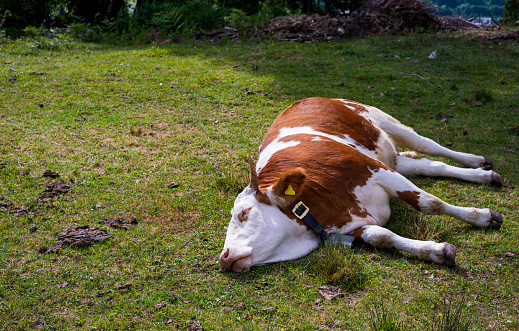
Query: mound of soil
x: 53, y: 190
x: 9, y: 207
x: 376, y: 16
x: 80, y: 236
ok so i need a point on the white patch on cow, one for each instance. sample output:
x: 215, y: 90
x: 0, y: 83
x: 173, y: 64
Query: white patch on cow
x: 273, y: 147
x: 384, y: 238
x: 276, y: 145
x: 425, y: 167
x: 267, y: 235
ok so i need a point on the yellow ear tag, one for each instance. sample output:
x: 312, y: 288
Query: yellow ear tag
x: 290, y: 191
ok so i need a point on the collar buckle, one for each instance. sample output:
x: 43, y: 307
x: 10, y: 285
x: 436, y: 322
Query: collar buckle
x: 303, y: 213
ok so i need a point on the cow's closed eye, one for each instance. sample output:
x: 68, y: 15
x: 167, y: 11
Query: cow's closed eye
x: 242, y: 217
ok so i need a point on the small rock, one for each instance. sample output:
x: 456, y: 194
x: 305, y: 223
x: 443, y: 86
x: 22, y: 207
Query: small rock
x: 173, y: 185
x: 162, y: 304
x: 329, y: 292
x: 39, y: 324
x: 239, y: 306
x: 123, y: 287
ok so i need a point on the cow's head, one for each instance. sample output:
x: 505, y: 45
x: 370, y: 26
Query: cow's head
x: 259, y: 232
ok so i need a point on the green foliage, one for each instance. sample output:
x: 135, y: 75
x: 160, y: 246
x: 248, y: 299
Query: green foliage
x: 24, y: 13
x: 169, y: 19
x: 3, y: 35
x: 452, y: 316
x: 511, y: 12
x: 382, y: 319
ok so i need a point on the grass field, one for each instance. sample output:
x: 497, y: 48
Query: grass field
x: 160, y: 134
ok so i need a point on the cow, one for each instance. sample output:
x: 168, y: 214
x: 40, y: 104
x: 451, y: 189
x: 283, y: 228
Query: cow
x: 330, y: 166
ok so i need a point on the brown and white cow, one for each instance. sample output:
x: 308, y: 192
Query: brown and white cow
x: 340, y: 158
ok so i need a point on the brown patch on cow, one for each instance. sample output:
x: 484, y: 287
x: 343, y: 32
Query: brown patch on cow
x: 327, y: 116
x: 358, y: 233
x: 333, y: 171
x: 384, y: 240
x: 262, y: 197
x: 244, y: 215
x: 435, y: 205
x: 411, y: 197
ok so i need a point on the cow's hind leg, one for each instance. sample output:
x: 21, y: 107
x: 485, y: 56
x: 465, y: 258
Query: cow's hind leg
x: 424, y: 167
x: 406, y: 137
x: 379, y: 237
x: 398, y: 186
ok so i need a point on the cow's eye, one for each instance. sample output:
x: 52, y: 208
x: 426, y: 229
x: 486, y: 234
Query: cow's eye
x: 242, y: 217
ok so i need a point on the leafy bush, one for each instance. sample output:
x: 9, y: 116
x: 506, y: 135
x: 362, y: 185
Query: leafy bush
x: 511, y: 12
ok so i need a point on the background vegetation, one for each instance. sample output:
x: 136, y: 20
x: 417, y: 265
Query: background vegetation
x: 160, y: 133
x: 117, y: 19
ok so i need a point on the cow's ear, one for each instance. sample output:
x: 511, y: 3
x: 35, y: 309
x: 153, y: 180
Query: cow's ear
x: 290, y: 183
x: 253, y: 175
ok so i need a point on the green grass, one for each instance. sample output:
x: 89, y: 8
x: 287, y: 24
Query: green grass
x: 120, y: 124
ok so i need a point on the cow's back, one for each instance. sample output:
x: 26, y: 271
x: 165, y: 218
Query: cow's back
x: 329, y: 116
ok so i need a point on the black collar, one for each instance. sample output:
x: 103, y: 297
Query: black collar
x: 301, y: 211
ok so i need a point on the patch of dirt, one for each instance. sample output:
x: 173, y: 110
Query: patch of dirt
x: 121, y: 287
x: 120, y: 223
x: 53, y: 190
x: 330, y: 292
x: 50, y: 174
x: 11, y: 209
x: 81, y: 236
x: 194, y: 326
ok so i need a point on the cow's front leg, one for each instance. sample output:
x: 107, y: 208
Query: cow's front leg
x: 379, y: 237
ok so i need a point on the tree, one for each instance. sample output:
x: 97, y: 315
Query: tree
x: 25, y: 13
x: 511, y: 12
x: 96, y: 11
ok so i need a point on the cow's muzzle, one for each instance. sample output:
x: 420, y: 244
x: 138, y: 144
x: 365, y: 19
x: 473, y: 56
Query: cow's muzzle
x: 237, y: 260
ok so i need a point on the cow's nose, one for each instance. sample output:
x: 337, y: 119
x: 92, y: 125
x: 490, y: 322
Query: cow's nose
x: 225, y: 260
x: 235, y: 260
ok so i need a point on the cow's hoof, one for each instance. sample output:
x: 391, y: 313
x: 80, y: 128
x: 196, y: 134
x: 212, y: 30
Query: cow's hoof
x: 496, y: 220
x: 496, y: 179
x: 449, y: 255
x: 488, y: 164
